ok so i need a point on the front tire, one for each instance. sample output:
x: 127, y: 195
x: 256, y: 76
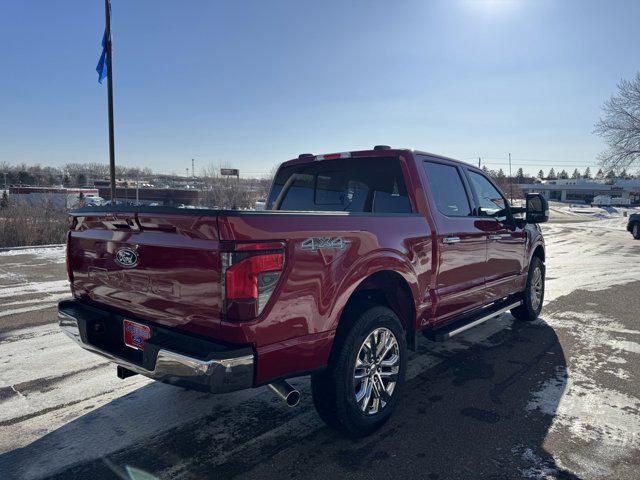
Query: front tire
x: 635, y: 231
x: 533, y: 295
x: 361, y: 386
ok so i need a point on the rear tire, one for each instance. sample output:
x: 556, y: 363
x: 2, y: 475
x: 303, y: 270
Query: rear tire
x: 635, y: 231
x: 361, y: 386
x: 533, y: 295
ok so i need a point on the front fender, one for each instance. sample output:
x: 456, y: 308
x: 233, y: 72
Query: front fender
x: 535, y: 240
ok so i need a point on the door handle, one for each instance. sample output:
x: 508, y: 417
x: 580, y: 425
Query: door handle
x: 495, y: 237
x: 450, y: 240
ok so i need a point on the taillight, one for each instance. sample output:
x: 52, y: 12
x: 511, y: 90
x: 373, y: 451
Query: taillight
x: 250, y: 275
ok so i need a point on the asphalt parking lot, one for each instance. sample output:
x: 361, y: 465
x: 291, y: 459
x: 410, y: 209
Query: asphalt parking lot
x: 556, y: 398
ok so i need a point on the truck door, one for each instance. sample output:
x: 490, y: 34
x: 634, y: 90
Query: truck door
x: 461, y: 245
x: 506, y: 242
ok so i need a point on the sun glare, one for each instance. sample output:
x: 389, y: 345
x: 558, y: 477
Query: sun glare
x: 490, y: 8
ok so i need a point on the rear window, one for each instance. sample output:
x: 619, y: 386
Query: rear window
x: 342, y: 185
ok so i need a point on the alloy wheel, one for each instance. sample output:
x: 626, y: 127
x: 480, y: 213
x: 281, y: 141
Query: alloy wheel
x: 376, y: 371
x: 537, y: 286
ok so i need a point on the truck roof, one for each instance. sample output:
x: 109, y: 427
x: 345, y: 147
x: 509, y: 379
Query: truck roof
x: 377, y: 151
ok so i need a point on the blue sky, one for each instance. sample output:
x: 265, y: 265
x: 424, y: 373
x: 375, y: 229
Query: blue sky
x: 253, y: 83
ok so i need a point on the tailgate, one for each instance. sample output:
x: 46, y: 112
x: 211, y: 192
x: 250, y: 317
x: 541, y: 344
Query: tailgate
x: 157, y: 267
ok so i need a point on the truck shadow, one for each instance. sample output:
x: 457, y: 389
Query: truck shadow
x: 478, y: 406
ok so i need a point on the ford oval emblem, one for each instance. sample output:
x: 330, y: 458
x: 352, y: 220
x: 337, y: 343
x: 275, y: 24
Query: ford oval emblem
x: 126, y: 257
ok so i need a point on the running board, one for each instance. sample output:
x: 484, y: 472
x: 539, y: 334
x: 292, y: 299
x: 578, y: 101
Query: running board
x: 465, y: 323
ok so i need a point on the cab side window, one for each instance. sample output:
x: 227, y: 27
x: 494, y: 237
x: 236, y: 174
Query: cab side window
x: 447, y: 189
x: 492, y: 203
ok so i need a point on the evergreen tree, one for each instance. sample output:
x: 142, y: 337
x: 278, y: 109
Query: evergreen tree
x: 552, y: 174
x: 563, y: 174
x: 600, y: 174
x: 587, y: 173
x: 623, y: 173
x: 520, y: 176
x: 576, y: 174
x: 500, y: 174
x: 4, y: 202
x: 611, y: 174
x: 541, y: 174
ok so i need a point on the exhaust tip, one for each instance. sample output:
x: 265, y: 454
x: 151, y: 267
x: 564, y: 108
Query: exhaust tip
x: 293, y: 398
x: 286, y: 392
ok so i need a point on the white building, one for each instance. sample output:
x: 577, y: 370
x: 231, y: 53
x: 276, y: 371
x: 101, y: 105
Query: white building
x: 583, y: 190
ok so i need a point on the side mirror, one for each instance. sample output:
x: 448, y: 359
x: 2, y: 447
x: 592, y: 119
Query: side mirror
x: 537, y: 209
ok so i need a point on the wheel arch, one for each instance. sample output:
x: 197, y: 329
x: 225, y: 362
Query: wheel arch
x: 386, y: 287
x: 539, y: 252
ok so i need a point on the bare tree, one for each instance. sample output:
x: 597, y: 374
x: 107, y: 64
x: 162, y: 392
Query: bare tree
x: 225, y: 191
x: 620, y: 126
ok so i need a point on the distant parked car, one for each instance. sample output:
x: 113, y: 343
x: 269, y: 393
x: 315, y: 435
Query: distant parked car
x: 606, y: 200
x: 94, y: 201
x: 634, y: 225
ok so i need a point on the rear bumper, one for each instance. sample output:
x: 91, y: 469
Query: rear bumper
x: 168, y: 356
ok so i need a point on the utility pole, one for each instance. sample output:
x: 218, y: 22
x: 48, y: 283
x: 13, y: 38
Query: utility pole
x: 479, y: 161
x: 112, y: 155
x: 193, y: 169
x: 5, y: 181
x: 510, y: 181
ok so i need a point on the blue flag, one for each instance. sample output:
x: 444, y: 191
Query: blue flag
x: 103, y: 67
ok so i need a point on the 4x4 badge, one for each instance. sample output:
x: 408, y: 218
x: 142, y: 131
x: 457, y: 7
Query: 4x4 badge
x: 323, y: 243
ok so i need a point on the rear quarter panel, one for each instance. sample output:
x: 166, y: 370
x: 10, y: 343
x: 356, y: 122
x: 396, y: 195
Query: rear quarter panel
x: 295, y: 331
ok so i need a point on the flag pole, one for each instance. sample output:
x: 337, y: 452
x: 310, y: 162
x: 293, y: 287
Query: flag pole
x: 112, y: 155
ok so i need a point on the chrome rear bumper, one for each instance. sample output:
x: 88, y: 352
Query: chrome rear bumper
x: 226, y: 372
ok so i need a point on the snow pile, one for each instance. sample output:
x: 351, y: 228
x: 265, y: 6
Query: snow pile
x: 615, y: 218
x: 55, y: 254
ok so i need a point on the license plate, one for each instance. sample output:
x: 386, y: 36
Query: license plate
x: 135, y: 334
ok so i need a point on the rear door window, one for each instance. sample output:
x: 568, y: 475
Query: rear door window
x: 347, y: 185
x: 447, y: 189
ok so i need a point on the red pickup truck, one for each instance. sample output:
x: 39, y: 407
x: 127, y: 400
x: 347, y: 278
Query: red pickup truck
x: 354, y: 255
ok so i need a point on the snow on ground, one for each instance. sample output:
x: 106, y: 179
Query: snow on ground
x: 31, y: 280
x: 54, y: 254
x: 27, y: 288
x: 598, y: 255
